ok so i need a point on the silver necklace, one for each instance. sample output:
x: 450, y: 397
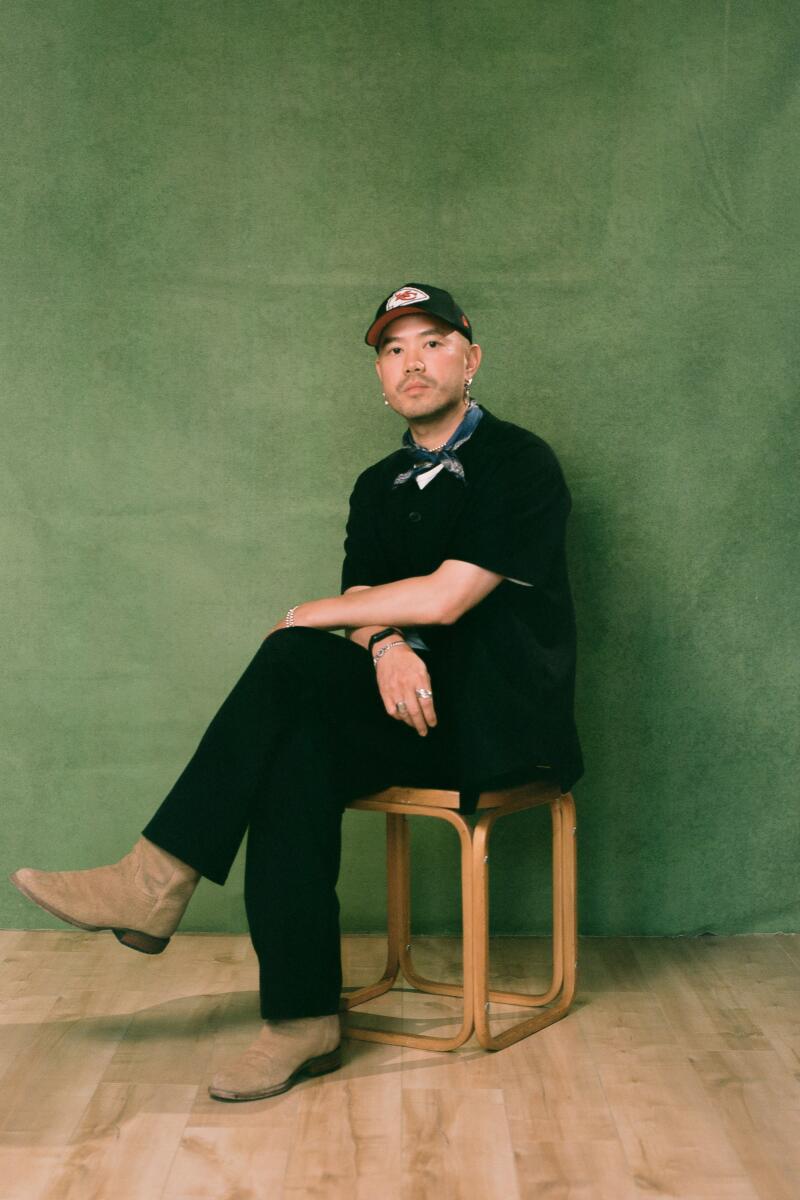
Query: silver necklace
x: 436, y: 449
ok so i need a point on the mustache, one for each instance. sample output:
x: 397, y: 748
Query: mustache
x: 416, y: 379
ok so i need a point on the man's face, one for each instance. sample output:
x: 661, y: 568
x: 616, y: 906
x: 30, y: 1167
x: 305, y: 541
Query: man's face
x: 422, y: 364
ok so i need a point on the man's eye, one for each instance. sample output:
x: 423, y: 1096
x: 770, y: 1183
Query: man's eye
x: 434, y: 342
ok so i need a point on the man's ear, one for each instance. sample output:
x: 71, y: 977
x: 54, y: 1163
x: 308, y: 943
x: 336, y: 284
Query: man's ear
x: 378, y: 368
x: 473, y: 358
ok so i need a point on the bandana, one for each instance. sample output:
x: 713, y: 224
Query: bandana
x: 424, y: 459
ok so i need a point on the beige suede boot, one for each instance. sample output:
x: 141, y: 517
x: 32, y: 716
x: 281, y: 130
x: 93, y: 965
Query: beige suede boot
x: 282, y: 1052
x: 141, y: 898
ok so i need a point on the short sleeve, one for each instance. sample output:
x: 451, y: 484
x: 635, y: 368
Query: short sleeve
x: 364, y: 561
x: 514, y: 518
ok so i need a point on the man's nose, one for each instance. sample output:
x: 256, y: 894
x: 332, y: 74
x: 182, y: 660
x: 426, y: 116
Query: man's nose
x: 415, y: 364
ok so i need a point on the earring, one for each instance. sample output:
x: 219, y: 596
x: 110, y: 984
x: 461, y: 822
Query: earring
x: 467, y: 397
x: 385, y: 401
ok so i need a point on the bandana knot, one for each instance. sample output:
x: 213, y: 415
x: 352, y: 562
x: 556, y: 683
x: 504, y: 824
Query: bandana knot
x: 424, y: 459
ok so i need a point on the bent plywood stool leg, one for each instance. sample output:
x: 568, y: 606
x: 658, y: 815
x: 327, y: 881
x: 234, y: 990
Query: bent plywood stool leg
x: 554, y: 1003
x: 565, y: 947
x: 400, y: 870
x: 421, y: 983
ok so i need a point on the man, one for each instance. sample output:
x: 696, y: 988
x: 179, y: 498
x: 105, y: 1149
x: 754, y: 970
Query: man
x: 457, y: 672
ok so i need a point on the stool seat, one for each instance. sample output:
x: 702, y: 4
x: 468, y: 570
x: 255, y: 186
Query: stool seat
x: 398, y: 803
x: 539, y: 792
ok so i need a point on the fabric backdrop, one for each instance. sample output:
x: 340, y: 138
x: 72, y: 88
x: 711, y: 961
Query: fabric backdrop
x: 202, y: 205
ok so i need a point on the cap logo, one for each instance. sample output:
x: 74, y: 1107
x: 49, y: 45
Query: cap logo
x: 405, y: 295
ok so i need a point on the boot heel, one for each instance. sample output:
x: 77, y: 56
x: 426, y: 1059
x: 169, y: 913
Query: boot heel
x: 146, y: 943
x: 324, y: 1063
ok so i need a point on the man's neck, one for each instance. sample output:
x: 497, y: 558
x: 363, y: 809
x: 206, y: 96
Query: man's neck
x: 432, y: 434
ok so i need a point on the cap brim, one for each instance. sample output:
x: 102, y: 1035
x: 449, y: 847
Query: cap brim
x: 377, y: 327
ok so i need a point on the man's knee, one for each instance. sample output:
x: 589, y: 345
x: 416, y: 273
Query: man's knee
x: 294, y: 642
x: 283, y: 649
x: 333, y: 677
x: 302, y: 660
x: 315, y: 650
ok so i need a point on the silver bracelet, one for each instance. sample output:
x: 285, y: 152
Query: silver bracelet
x: 380, y: 653
x: 289, y: 622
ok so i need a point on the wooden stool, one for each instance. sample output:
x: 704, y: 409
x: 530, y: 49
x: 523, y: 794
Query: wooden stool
x: 399, y: 803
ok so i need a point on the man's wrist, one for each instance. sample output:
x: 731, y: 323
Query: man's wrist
x: 300, y: 614
x: 386, y: 648
x: 360, y: 634
x: 382, y: 634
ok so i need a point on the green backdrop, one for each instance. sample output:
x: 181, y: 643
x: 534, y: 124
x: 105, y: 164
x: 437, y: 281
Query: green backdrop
x: 202, y: 205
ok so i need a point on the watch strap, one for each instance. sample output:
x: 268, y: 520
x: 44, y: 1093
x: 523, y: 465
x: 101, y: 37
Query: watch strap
x: 384, y: 633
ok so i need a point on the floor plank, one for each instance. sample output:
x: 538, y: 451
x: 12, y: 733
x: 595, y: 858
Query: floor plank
x: 677, y: 1074
x: 125, y: 1143
x: 456, y: 1145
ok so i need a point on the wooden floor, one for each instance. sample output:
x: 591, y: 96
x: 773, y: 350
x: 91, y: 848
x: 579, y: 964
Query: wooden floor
x: 676, y: 1075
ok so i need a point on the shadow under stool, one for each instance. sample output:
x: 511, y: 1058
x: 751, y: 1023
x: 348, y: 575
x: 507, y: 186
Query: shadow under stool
x: 399, y: 803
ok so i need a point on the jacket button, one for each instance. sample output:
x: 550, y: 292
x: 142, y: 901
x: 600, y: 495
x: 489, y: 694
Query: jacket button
x: 415, y: 516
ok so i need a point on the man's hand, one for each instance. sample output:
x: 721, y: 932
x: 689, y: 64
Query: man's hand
x: 401, y: 674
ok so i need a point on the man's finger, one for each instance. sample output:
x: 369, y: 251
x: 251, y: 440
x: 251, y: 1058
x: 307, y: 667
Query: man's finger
x: 410, y: 712
x: 418, y: 717
x: 425, y: 697
x: 401, y: 713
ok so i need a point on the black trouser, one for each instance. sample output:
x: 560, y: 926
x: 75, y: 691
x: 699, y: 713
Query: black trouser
x: 302, y: 732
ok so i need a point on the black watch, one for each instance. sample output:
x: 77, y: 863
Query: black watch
x: 384, y: 633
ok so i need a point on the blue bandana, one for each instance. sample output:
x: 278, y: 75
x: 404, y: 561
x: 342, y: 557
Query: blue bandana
x: 425, y: 459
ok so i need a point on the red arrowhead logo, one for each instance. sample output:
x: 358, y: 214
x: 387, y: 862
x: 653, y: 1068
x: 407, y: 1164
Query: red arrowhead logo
x: 406, y: 295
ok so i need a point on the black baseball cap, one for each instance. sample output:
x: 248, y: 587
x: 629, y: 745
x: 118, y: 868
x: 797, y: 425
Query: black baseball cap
x: 418, y: 298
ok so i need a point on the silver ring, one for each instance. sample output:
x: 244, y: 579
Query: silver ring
x: 401, y: 706
x: 423, y: 693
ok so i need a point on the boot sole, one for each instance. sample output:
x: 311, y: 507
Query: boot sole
x: 135, y: 939
x: 321, y: 1065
